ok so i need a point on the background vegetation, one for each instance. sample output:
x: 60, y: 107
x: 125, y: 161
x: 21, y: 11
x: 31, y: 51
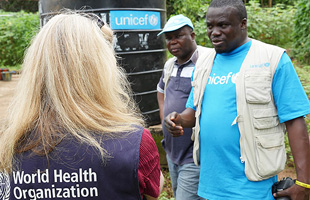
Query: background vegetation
x: 301, y: 32
x: 16, y: 31
x: 271, y: 25
x: 18, y: 5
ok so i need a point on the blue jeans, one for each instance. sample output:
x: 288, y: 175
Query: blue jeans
x: 184, y: 180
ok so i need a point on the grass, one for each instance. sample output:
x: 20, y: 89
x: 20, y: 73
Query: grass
x: 303, y: 72
x: 167, y: 193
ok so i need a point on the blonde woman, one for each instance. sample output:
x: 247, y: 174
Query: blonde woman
x: 74, y: 131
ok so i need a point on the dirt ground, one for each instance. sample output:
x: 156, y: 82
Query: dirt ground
x: 7, y: 91
x: 6, y: 94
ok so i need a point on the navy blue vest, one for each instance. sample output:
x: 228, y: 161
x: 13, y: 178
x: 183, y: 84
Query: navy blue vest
x: 75, y: 170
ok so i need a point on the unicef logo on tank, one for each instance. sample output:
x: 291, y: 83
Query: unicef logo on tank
x: 134, y: 20
x: 153, y: 19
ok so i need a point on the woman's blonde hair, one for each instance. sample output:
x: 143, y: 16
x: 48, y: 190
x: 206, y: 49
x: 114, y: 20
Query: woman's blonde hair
x: 70, y: 83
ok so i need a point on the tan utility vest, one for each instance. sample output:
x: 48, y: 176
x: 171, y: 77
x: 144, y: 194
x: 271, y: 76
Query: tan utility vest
x: 261, y: 135
x: 170, y: 65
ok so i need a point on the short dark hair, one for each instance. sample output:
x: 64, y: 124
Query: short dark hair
x: 238, y: 4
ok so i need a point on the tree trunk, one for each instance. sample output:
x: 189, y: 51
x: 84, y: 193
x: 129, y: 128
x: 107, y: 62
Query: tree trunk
x: 262, y: 3
x: 270, y: 3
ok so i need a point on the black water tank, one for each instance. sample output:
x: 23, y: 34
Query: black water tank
x: 136, y: 24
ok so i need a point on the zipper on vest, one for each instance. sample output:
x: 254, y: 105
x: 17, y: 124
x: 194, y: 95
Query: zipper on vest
x: 241, y: 150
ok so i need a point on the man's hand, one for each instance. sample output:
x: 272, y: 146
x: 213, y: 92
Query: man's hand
x: 173, y: 123
x: 295, y: 193
x: 299, y: 143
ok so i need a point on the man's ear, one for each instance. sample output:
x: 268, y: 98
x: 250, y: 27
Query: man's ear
x: 244, y: 23
x: 193, y: 35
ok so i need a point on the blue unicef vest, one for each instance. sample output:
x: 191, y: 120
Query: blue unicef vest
x: 76, y: 171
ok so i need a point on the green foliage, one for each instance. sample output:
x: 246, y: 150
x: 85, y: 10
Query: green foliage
x: 201, y: 27
x: 16, y: 31
x: 271, y: 25
x: 189, y: 8
x: 285, y: 2
x: 18, y: 5
x: 303, y: 72
x: 15, y: 68
x: 301, y: 32
x: 164, y: 196
x: 195, y: 10
x: 289, y: 155
x: 167, y: 193
x: 275, y: 2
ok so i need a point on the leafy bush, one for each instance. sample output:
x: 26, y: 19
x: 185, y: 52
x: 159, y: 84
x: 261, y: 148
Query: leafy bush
x: 18, y: 5
x: 303, y: 72
x: 271, y: 25
x: 16, y: 30
x: 301, y: 32
x: 275, y: 2
x: 195, y: 10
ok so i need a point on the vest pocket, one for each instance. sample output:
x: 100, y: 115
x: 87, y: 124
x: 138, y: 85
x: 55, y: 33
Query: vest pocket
x: 265, y: 118
x: 258, y: 88
x: 271, y: 154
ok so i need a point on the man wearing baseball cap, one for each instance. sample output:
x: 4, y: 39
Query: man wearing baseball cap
x: 172, y: 92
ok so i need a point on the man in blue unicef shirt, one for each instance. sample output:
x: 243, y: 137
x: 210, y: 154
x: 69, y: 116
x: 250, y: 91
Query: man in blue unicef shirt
x: 245, y: 95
